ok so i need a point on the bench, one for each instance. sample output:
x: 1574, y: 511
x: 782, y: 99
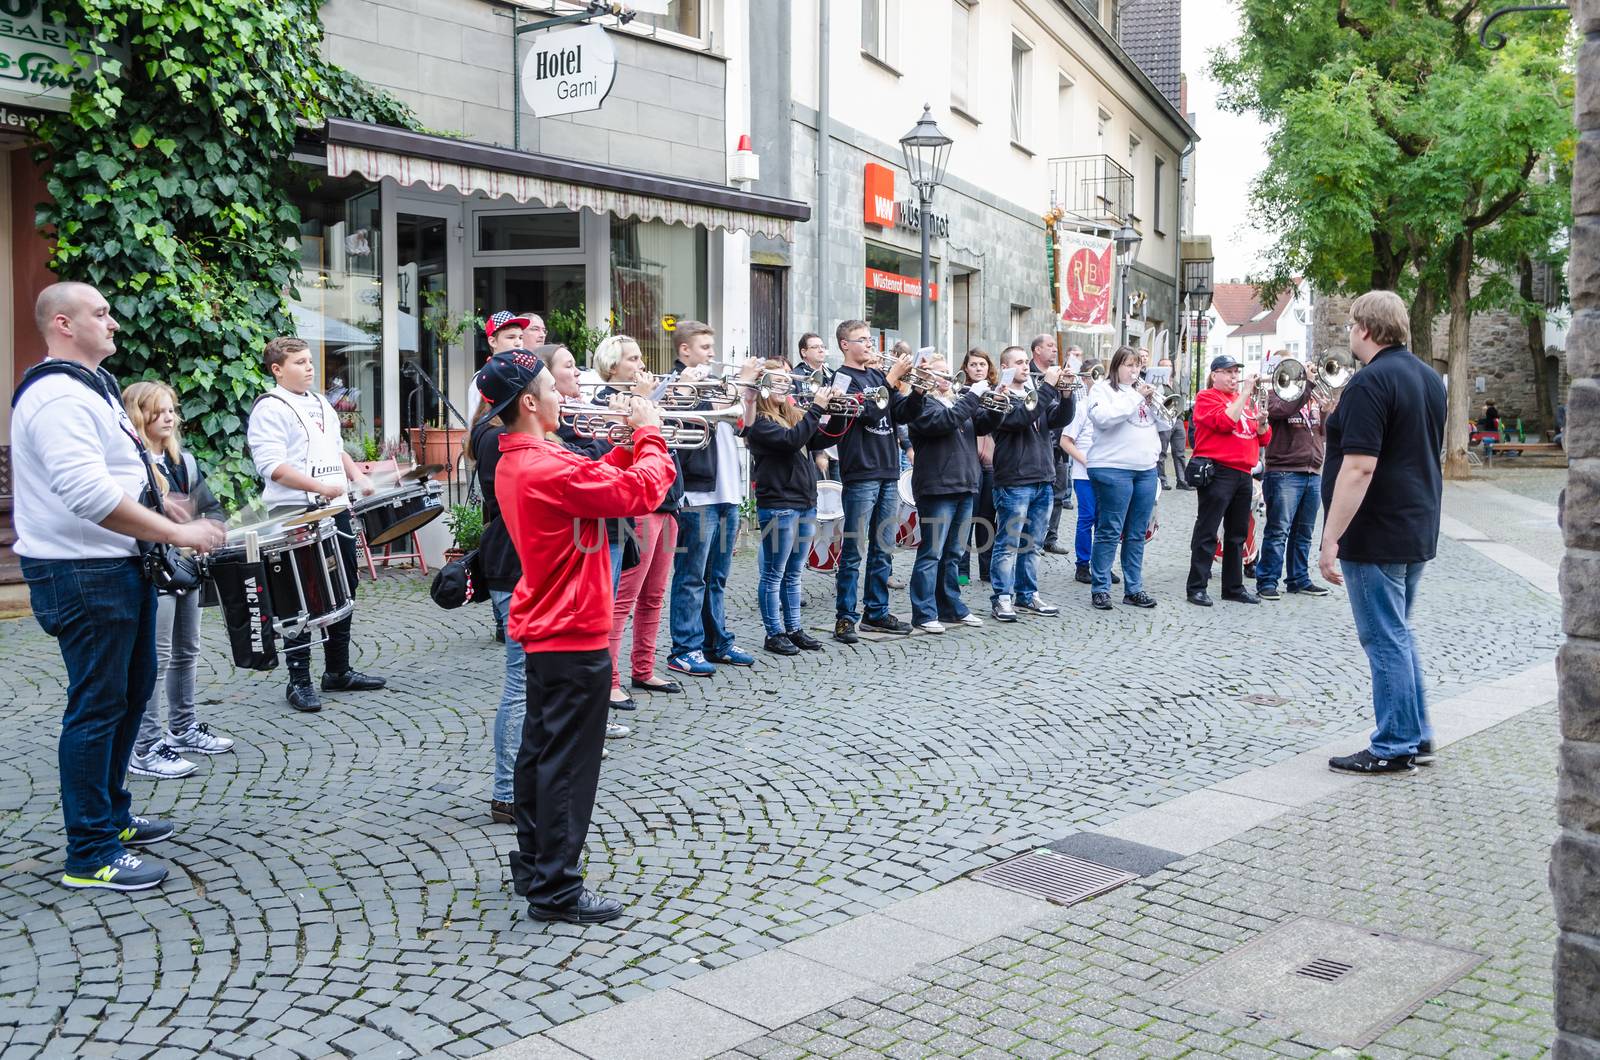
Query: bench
x: 1525, y: 449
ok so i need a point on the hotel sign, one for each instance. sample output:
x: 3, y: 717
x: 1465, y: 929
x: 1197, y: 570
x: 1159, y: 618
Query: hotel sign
x: 37, y: 67
x: 568, y: 71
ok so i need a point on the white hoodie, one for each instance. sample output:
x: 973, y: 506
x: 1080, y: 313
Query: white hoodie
x: 1125, y: 430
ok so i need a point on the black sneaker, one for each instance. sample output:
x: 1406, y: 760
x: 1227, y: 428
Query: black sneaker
x: 1116, y: 579
x: 144, y: 830
x: 127, y: 872
x: 1139, y: 599
x: 1057, y: 549
x: 1082, y: 574
x: 1425, y: 754
x: 1240, y: 596
x: 1269, y: 594
x: 887, y: 624
x: 781, y: 645
x: 1101, y: 601
x: 1364, y: 763
x: 1313, y: 589
x: 590, y: 908
x: 351, y: 681
x: 803, y: 640
x: 1037, y: 605
x: 844, y: 631
x: 500, y: 812
x: 304, y: 698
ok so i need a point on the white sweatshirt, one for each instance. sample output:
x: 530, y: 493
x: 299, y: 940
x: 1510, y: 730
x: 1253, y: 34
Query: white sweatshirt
x: 72, y: 464
x: 1125, y: 431
x: 1081, y: 431
x: 301, y: 430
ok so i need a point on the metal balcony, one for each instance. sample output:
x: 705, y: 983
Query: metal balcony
x: 1092, y: 189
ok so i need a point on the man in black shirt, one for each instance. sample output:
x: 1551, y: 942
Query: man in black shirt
x: 1382, y: 489
x: 869, y: 467
x: 1024, y: 492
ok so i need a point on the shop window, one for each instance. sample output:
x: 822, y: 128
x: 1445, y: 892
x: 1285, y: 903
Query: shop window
x: 529, y: 231
x: 519, y: 289
x: 658, y: 276
x: 893, y: 307
x: 337, y: 301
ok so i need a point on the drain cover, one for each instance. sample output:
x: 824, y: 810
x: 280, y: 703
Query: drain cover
x: 1334, y: 981
x: 1261, y: 699
x: 1058, y: 878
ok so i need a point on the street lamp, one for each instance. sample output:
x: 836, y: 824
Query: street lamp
x: 927, y: 152
x: 1127, y: 242
x: 1197, y: 294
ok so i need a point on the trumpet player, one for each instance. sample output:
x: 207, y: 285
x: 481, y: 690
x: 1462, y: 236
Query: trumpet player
x: 1230, y: 430
x: 1292, y: 489
x: 1045, y: 354
x: 1126, y: 417
x: 869, y: 467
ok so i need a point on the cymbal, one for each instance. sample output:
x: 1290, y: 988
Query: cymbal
x: 420, y: 472
x: 316, y: 515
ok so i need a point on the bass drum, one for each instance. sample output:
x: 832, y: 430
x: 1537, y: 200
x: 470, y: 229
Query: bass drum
x: 829, y: 538
x: 909, y: 534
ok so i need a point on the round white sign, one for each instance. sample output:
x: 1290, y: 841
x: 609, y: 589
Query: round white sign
x: 568, y: 70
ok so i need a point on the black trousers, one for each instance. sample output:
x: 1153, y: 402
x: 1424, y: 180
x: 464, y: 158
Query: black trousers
x: 336, y: 649
x: 1225, y: 500
x: 558, y: 770
x: 1063, y: 494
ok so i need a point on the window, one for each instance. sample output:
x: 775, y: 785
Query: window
x: 657, y: 270
x: 877, y: 20
x: 543, y: 230
x: 892, y: 309
x: 1101, y: 127
x: 683, y: 16
x: 1160, y: 168
x: 1021, y: 68
x: 1064, y: 110
x: 1019, y: 325
x: 1133, y: 153
x: 962, y: 35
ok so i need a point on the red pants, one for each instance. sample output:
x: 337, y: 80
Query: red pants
x: 641, y: 592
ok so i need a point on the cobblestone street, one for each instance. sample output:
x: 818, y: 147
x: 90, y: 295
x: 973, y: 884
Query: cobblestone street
x: 338, y: 889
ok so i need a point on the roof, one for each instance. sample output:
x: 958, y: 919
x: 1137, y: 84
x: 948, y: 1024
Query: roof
x: 1150, y: 31
x: 1115, y: 52
x: 1264, y: 321
x: 1235, y: 303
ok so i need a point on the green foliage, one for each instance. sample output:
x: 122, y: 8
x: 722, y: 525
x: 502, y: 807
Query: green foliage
x: 169, y: 179
x: 466, y: 525
x: 570, y: 327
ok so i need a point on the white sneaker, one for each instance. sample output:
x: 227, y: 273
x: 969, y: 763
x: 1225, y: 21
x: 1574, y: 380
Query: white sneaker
x: 1003, y: 610
x: 201, y: 740
x: 615, y: 731
x: 971, y: 620
x: 933, y: 625
x: 161, y: 762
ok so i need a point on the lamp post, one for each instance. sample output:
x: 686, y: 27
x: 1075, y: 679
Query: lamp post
x: 1197, y: 296
x: 927, y: 152
x: 1127, y: 242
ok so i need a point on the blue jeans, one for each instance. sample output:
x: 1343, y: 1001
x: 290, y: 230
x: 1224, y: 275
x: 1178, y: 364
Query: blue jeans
x: 706, y: 537
x: 1083, y: 544
x: 513, y: 706
x: 616, y: 564
x: 1022, y: 515
x: 1293, y: 498
x: 1123, y: 501
x: 871, y: 514
x: 786, y: 535
x: 102, y: 614
x: 1381, y: 597
x: 935, y: 577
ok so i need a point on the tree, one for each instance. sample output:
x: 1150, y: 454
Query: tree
x: 1399, y: 145
x: 169, y: 183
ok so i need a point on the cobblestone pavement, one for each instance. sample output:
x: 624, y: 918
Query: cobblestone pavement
x: 1455, y: 855
x: 338, y: 888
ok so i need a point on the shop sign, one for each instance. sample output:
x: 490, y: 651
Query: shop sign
x: 34, y: 52
x: 880, y: 209
x: 894, y: 283
x: 568, y: 71
x: 1087, y: 272
x: 19, y: 119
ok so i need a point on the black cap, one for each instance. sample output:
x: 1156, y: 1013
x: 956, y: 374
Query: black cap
x: 504, y: 376
x: 1224, y: 362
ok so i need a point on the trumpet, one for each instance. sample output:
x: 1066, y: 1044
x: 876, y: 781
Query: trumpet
x: 1097, y: 374
x: 1290, y: 378
x: 924, y: 379
x: 998, y: 399
x: 846, y: 405
x: 770, y: 383
x: 685, y: 395
x: 682, y: 430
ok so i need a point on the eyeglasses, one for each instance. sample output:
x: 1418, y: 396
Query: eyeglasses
x: 864, y: 340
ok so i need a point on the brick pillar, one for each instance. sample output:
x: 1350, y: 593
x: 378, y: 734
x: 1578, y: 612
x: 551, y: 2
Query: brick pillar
x: 1575, y: 861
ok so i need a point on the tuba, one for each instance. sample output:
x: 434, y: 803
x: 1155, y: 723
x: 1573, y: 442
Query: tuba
x: 1290, y: 378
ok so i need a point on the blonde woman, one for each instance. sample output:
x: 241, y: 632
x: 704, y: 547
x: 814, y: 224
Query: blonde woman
x: 642, y: 588
x: 156, y: 752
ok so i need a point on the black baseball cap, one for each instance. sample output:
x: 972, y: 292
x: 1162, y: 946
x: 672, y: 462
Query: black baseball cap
x: 504, y: 376
x: 1223, y: 363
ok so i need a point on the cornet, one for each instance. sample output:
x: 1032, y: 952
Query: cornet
x: 684, y: 395
x: 924, y: 379
x: 682, y: 430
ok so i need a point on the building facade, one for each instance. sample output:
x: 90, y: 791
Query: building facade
x: 1240, y: 325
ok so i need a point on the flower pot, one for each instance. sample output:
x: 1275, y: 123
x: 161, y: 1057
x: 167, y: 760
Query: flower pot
x: 452, y: 554
x: 438, y: 445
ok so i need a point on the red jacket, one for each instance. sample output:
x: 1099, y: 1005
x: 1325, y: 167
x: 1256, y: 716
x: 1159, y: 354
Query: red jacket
x: 554, y: 502
x: 1236, y: 445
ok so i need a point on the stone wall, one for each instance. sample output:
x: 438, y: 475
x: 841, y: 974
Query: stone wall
x: 1498, y: 353
x: 1575, y: 861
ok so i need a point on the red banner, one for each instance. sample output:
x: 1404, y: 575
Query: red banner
x: 894, y: 283
x: 1087, y: 278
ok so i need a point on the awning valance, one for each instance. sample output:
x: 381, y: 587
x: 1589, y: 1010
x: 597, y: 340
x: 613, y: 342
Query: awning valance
x: 436, y: 162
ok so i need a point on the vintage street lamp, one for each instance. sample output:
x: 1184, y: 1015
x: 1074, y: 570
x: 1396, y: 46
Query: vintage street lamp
x: 927, y: 152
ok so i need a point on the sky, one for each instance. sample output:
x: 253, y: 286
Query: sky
x: 1232, y: 147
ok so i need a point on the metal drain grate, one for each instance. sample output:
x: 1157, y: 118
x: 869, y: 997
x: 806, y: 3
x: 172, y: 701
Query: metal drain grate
x: 1325, y: 969
x: 1058, y: 878
x: 1262, y: 699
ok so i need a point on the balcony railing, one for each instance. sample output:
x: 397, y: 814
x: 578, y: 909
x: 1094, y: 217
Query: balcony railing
x: 1092, y: 189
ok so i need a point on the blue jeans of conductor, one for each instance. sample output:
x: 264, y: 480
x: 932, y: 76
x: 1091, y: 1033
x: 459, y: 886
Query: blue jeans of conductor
x: 1022, y: 515
x: 871, y: 517
x: 1381, y: 598
x: 508, y: 717
x: 935, y: 577
x: 786, y: 535
x: 706, y: 536
x: 1293, y: 498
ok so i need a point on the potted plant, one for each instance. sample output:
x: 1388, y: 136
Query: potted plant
x: 466, y: 529
x: 438, y: 442
x: 570, y: 328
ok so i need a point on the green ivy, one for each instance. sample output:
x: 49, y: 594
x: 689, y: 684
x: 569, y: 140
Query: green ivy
x: 170, y: 181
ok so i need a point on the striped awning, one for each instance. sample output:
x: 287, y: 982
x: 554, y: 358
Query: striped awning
x: 378, y: 152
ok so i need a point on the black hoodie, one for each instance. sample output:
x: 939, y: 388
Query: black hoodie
x: 868, y: 449
x: 945, y: 441
x: 781, y: 463
x: 1022, y: 449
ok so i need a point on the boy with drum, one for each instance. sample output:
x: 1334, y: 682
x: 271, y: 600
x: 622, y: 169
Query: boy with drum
x: 294, y: 440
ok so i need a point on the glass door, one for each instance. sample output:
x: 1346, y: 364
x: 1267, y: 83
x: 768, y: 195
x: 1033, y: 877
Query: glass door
x: 431, y: 328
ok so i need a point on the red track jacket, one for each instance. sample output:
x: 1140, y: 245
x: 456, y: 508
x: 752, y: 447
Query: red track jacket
x: 1235, y: 445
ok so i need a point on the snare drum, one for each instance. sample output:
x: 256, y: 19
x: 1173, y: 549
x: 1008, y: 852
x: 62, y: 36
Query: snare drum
x: 276, y: 581
x: 909, y: 535
x: 392, y: 514
x: 829, y: 539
